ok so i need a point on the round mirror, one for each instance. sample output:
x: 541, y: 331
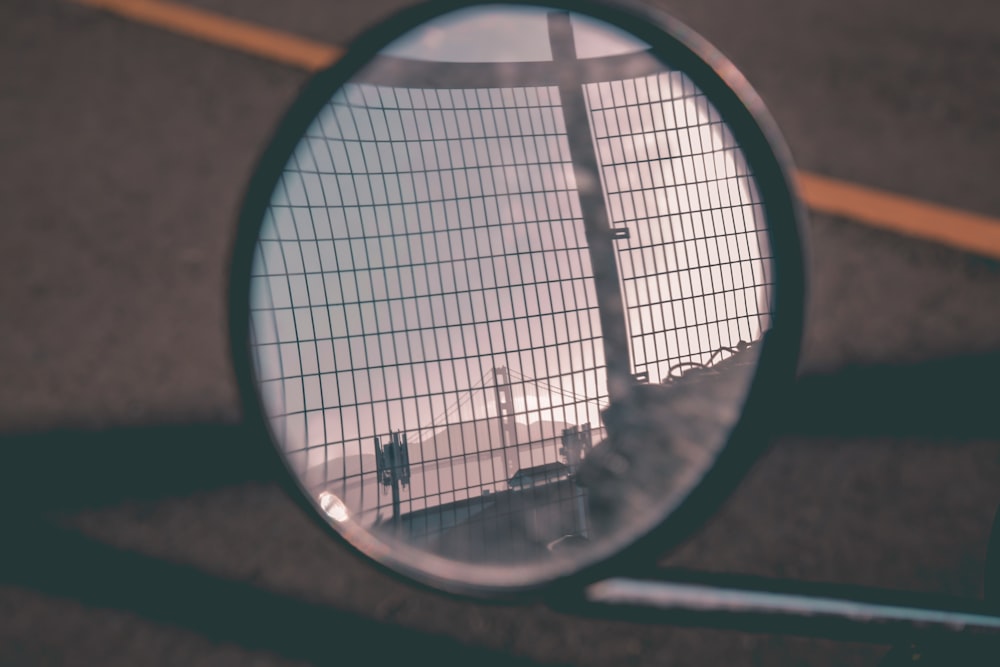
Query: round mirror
x: 514, y: 287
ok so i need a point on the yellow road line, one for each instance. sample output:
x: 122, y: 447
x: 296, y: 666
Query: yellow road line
x: 959, y: 229
x: 224, y: 31
x: 913, y: 217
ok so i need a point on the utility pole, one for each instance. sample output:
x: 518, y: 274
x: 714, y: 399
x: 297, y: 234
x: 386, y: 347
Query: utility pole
x: 577, y: 441
x: 392, y: 464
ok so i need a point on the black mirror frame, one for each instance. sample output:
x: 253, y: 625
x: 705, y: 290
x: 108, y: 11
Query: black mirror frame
x: 769, y: 162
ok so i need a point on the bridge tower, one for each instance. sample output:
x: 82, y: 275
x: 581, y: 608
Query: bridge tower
x: 508, y: 427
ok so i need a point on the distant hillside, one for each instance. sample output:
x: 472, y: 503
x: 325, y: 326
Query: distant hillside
x: 346, y: 475
x: 482, y: 436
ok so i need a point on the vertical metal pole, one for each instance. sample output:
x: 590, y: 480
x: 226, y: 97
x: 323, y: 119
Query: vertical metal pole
x: 597, y: 226
x: 582, y: 525
x: 379, y: 492
x: 395, y: 497
x: 397, y: 460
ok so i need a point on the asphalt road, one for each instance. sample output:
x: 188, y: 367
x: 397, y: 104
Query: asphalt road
x: 132, y: 539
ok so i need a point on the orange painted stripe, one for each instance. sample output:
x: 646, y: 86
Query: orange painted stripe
x: 959, y: 229
x: 967, y: 231
x: 223, y: 31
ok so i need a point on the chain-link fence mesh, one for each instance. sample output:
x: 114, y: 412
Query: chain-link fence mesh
x: 425, y: 320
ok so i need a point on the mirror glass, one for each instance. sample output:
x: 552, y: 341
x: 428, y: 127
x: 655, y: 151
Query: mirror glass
x: 507, y: 297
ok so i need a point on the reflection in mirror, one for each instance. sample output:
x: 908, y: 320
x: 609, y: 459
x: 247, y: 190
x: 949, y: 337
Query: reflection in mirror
x: 504, y: 311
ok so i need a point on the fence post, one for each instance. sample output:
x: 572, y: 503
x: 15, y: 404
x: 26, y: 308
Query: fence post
x: 596, y: 221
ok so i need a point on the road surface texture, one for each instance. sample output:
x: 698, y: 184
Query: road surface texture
x: 141, y: 530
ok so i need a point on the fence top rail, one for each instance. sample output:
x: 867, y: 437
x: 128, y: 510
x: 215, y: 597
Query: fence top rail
x: 398, y: 72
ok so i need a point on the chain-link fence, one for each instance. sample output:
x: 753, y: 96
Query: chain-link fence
x: 426, y: 320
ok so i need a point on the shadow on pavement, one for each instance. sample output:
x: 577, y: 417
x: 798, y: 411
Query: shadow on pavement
x: 73, y: 469
x: 946, y: 398
x: 76, y: 468
x: 64, y: 564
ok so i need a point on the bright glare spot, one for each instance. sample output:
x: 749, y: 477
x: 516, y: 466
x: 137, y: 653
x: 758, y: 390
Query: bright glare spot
x: 333, y: 506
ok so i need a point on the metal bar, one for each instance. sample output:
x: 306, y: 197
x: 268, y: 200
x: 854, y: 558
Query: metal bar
x: 596, y: 221
x: 397, y: 72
